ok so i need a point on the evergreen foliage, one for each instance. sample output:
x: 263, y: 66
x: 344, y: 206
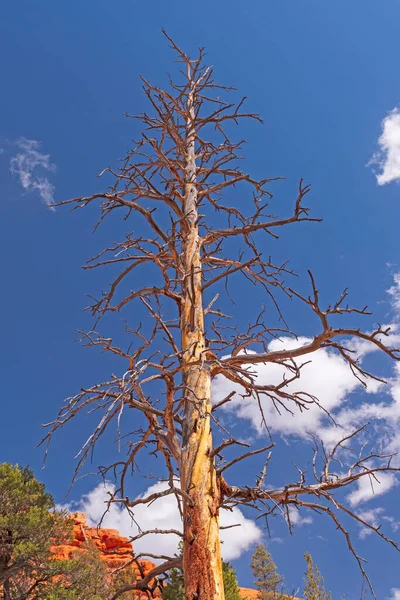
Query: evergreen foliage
x: 267, y: 580
x: 314, y: 582
x: 175, y: 588
x: 29, y: 525
x: 126, y: 576
x: 231, y: 585
x: 85, y: 577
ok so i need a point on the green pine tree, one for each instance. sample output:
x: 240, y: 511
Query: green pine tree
x: 29, y: 525
x: 231, y: 585
x: 267, y: 580
x: 83, y: 578
x: 314, y: 582
x: 126, y: 576
x: 175, y: 588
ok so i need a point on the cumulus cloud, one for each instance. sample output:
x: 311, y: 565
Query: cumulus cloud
x: 394, y: 594
x: 27, y: 163
x: 327, y: 377
x: 388, y: 156
x: 163, y: 514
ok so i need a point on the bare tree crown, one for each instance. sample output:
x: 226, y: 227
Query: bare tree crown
x: 185, y: 243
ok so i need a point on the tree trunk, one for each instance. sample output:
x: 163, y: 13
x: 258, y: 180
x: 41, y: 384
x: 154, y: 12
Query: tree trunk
x: 5, y: 561
x: 202, y: 564
x: 202, y: 556
x: 6, y: 591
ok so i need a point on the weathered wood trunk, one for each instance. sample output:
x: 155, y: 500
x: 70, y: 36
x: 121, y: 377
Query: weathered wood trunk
x: 202, y: 555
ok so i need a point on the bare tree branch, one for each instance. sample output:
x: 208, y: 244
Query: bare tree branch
x: 169, y: 277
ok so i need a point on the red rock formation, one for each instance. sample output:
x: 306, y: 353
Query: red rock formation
x: 115, y: 550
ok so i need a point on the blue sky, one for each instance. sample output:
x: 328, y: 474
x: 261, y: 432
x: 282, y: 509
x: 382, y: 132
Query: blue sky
x: 323, y: 76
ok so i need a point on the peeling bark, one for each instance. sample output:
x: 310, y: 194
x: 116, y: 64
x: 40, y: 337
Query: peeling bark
x: 202, y: 555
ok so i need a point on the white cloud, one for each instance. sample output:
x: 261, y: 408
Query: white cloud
x: 25, y: 165
x: 388, y: 155
x: 395, y: 594
x: 297, y: 519
x: 327, y: 377
x: 373, y: 517
x: 376, y: 517
x: 368, y: 488
x: 394, y: 293
x: 163, y: 514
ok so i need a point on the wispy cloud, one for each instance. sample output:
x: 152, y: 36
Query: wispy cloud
x: 388, y: 156
x: 297, y: 519
x: 376, y: 517
x: 394, y: 293
x: 368, y: 488
x: 26, y: 165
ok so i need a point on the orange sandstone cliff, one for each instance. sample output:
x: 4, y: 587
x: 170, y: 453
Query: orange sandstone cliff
x: 115, y: 550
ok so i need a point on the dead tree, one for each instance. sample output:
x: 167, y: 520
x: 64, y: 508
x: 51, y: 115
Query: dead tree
x: 172, y: 186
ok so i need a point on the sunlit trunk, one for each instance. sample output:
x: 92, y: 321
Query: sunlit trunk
x: 202, y: 554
